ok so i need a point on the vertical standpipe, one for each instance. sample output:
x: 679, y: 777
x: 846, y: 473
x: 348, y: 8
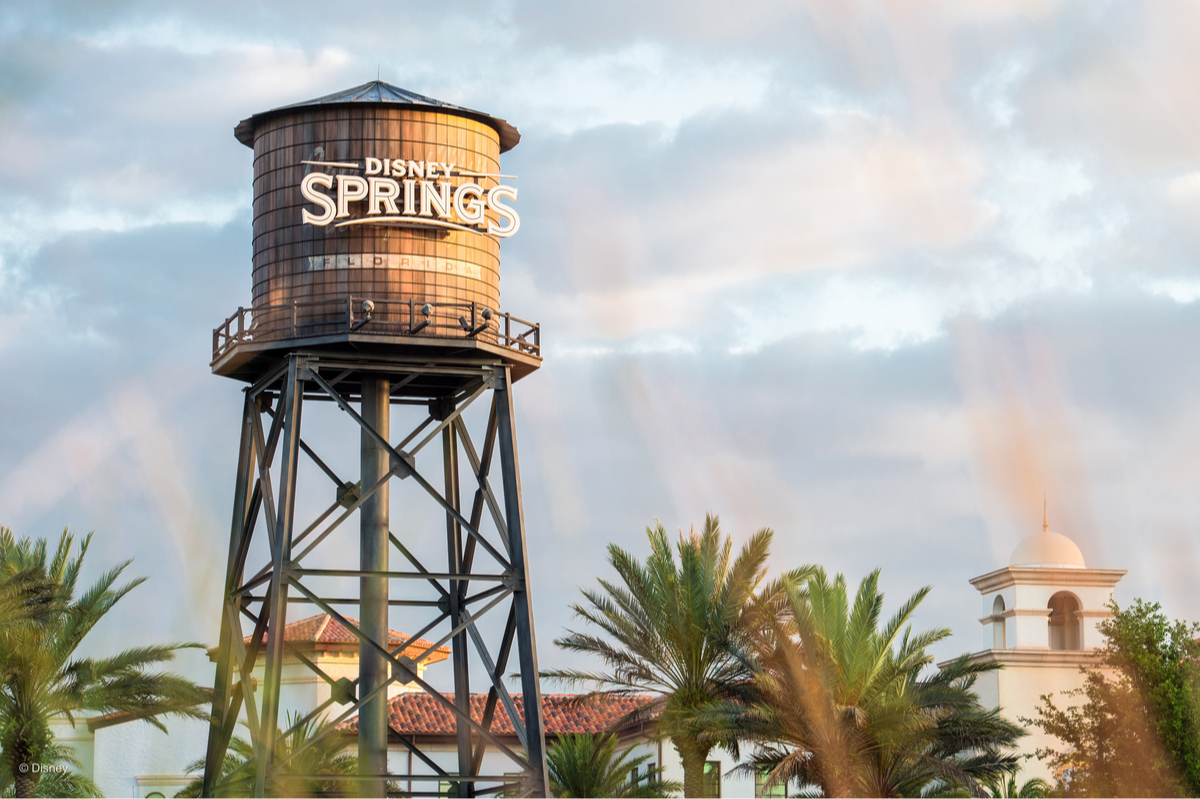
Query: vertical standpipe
x: 373, y: 590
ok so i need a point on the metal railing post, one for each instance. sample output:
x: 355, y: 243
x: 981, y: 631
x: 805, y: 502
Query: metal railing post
x: 244, y: 325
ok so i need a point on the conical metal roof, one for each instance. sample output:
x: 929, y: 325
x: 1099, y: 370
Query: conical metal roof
x: 378, y: 92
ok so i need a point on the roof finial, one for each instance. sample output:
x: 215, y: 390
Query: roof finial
x: 1045, y: 515
x: 379, y: 72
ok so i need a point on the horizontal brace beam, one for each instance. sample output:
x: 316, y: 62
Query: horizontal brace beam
x: 396, y: 603
x: 395, y: 778
x: 501, y: 578
x: 416, y: 368
x: 402, y: 777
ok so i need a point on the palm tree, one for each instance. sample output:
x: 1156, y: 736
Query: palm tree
x: 671, y: 628
x: 587, y: 765
x: 1032, y: 788
x: 39, y: 676
x: 66, y: 781
x: 26, y: 594
x: 839, y: 703
x: 325, y: 756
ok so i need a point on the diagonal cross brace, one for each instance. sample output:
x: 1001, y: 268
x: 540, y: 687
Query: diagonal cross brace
x: 429, y: 689
x: 403, y: 465
x: 497, y: 683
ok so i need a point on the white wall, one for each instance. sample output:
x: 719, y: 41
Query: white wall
x: 78, y: 737
x: 495, y: 763
x: 134, y: 758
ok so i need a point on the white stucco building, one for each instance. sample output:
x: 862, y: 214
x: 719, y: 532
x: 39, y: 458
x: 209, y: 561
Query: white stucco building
x: 1040, y: 620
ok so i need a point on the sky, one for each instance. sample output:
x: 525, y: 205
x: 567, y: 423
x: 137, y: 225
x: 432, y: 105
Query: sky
x: 880, y: 276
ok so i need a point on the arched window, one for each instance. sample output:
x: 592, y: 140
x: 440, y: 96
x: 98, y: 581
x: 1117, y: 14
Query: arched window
x: 999, y: 639
x: 1064, y: 621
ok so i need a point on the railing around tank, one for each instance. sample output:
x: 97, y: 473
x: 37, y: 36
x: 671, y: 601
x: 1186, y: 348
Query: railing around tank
x: 307, y: 318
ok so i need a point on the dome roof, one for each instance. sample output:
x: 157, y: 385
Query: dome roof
x: 379, y: 93
x: 1047, y: 549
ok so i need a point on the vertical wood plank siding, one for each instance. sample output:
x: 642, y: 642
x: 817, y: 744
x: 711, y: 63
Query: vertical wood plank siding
x: 290, y: 257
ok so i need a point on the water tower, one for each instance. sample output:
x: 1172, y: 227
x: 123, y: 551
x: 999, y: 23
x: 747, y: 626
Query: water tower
x: 378, y: 217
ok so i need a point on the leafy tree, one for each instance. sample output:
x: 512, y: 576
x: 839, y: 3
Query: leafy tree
x: 838, y: 702
x: 670, y: 628
x: 588, y: 765
x: 39, y: 676
x: 1136, y: 731
x: 326, y: 755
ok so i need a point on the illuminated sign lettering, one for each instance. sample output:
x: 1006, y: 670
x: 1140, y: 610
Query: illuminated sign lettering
x: 407, y: 193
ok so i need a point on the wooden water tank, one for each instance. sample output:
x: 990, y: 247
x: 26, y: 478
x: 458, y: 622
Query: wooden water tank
x: 311, y: 279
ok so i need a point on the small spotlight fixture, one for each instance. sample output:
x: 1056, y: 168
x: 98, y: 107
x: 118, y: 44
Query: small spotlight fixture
x: 426, y: 311
x: 475, y: 331
x: 367, y: 308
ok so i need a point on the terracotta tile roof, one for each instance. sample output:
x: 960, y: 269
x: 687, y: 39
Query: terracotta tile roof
x: 324, y: 629
x: 416, y: 713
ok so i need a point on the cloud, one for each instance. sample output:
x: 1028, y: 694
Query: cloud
x: 869, y: 274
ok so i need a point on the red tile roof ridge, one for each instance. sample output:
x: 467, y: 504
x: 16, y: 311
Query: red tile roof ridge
x: 324, y: 624
x: 418, y: 713
x: 328, y: 627
x: 595, y: 697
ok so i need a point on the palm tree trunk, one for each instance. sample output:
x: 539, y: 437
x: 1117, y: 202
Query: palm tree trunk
x: 693, y: 755
x: 24, y: 785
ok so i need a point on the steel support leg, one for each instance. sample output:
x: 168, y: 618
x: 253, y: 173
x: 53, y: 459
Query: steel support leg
x: 223, y: 706
x: 458, y: 645
x: 374, y: 520
x: 289, y: 407
x: 522, y: 601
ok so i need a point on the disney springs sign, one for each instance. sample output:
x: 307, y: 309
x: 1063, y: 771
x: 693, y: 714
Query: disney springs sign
x: 408, y: 193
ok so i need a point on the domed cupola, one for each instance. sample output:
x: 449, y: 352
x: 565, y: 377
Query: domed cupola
x: 1046, y: 598
x: 1041, y: 618
x: 1047, y: 550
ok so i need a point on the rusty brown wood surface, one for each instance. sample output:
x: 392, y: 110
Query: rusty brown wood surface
x: 306, y: 263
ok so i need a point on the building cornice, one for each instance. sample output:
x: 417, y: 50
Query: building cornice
x: 1008, y: 614
x: 1046, y: 575
x: 170, y: 780
x: 1036, y: 658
